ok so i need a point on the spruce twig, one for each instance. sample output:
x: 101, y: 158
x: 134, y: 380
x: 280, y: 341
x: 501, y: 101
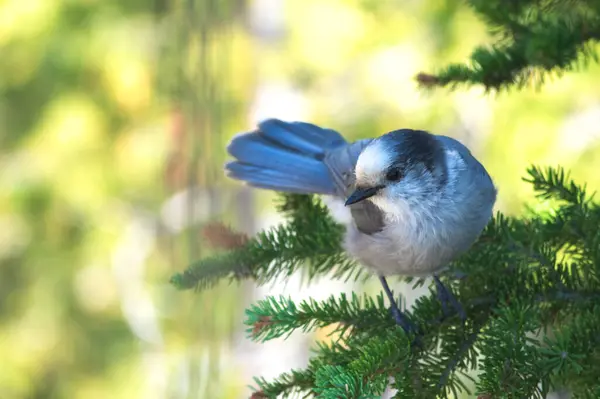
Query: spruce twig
x: 515, y: 284
x: 310, y: 241
x: 532, y: 40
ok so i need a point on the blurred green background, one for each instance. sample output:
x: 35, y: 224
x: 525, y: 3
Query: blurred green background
x: 113, y: 120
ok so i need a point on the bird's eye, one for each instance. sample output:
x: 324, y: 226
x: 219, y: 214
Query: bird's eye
x: 394, y: 174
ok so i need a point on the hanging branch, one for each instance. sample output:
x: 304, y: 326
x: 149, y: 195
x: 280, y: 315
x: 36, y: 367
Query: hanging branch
x: 533, y: 39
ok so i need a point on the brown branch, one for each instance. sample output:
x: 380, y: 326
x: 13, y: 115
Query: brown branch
x: 221, y: 236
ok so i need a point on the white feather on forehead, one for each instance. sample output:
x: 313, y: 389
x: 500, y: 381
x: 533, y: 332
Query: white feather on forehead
x: 372, y: 163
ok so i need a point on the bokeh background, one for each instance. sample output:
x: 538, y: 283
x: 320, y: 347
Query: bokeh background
x: 114, y: 115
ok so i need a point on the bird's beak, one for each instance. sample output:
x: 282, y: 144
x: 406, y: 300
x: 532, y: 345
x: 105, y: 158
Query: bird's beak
x: 361, y: 194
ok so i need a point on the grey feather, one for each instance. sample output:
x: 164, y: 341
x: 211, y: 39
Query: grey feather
x: 341, y: 163
x: 368, y: 218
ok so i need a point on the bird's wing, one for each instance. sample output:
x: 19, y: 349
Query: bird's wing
x: 479, y: 177
x: 341, y: 163
x: 472, y: 163
x: 453, y: 144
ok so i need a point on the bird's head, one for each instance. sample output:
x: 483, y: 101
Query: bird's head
x: 403, y: 166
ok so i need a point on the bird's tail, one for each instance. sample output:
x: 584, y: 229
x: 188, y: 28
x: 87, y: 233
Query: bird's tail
x: 284, y: 156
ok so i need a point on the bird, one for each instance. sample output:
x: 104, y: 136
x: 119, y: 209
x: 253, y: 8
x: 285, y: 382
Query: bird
x: 411, y: 201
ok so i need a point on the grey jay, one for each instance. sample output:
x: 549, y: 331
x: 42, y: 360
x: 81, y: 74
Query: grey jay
x: 414, y: 201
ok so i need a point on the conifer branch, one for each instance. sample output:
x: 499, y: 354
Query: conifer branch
x: 555, y: 183
x: 293, y: 382
x: 310, y: 241
x: 284, y: 316
x: 533, y: 39
x: 523, y: 276
x: 458, y: 357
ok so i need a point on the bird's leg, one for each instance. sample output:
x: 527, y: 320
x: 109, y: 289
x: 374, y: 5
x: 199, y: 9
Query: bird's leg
x: 399, y: 317
x: 446, y: 296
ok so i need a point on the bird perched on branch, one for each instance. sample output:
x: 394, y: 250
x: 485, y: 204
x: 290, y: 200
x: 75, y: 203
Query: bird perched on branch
x: 415, y: 201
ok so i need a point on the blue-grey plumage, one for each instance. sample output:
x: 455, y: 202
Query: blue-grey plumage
x: 432, y: 214
x: 285, y: 157
x: 415, y: 223
x: 415, y: 201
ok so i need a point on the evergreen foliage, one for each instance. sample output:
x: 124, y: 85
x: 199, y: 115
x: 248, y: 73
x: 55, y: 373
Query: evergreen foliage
x: 530, y: 287
x: 310, y: 240
x: 531, y: 39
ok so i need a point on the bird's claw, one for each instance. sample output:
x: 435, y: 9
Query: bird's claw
x: 399, y: 317
x: 446, y: 297
x: 402, y: 320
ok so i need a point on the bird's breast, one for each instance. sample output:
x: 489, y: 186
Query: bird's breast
x: 399, y: 249
x: 414, y: 243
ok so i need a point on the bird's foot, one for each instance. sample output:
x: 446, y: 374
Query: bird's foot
x: 399, y: 317
x: 446, y: 297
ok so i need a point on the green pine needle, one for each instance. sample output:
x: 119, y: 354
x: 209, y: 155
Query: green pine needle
x: 273, y: 318
x: 310, y: 241
x: 534, y: 39
x: 530, y: 287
